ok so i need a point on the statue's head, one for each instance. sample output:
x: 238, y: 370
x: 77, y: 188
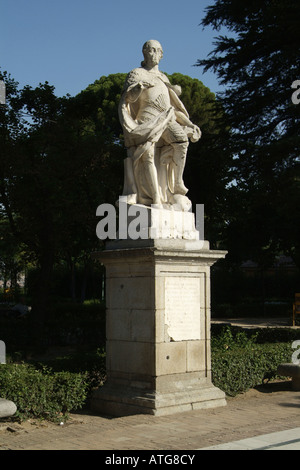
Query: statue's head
x: 152, y: 47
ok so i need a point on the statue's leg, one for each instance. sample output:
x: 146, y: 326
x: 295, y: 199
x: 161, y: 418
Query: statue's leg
x: 179, y: 158
x: 151, y: 175
x: 176, y: 137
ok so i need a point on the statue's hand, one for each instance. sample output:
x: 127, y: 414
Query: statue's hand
x: 135, y: 91
x: 194, y: 133
x: 144, y: 85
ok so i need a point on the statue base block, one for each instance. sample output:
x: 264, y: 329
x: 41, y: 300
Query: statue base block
x: 158, y: 328
x: 113, y: 401
x: 155, y: 222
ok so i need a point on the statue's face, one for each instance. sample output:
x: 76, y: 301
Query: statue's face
x: 153, y: 53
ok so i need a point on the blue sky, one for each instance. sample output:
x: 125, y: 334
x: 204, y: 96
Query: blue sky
x: 72, y: 43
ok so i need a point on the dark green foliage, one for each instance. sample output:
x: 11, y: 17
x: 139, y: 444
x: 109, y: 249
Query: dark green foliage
x: 225, y: 334
x: 257, y: 62
x: 207, y: 170
x: 60, y: 375
x: 63, y: 157
x: 40, y: 393
x: 241, y: 361
x: 238, y: 370
x: 257, y: 292
x: 68, y: 324
x: 56, y: 169
x: 50, y: 388
x: 90, y: 364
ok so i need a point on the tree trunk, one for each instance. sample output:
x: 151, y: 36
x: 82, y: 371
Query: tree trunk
x: 41, y: 300
x: 72, y: 280
x: 84, y: 282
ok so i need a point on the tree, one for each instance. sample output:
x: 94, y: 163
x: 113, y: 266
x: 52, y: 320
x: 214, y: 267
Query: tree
x: 63, y: 157
x: 258, y: 64
x: 11, y: 129
x: 55, y: 170
x: 207, y: 171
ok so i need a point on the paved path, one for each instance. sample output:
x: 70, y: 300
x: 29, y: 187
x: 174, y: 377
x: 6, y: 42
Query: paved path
x: 272, y: 409
x: 283, y: 440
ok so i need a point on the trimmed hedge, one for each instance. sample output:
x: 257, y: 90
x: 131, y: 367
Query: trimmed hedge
x: 255, y: 335
x: 239, y: 362
x: 42, y: 393
x: 238, y: 371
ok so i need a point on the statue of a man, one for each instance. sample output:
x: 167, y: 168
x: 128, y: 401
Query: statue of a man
x: 157, y: 130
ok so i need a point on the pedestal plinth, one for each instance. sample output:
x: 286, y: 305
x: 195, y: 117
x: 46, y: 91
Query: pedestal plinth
x: 157, y: 327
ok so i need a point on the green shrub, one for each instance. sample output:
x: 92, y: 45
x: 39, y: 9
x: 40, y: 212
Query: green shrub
x: 229, y: 338
x: 236, y: 369
x: 220, y: 331
x: 90, y: 363
x: 42, y: 393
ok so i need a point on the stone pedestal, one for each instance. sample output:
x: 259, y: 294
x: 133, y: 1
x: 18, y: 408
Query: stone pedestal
x: 7, y: 408
x: 158, y: 327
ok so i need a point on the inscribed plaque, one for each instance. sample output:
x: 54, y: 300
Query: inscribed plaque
x: 182, y: 308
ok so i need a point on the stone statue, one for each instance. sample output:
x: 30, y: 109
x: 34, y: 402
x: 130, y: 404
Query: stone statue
x: 157, y: 130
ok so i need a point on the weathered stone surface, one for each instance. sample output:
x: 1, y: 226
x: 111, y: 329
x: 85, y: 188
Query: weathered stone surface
x: 158, y: 328
x: 116, y: 401
x: 7, y: 408
x: 182, y: 307
x: 157, y: 130
x: 291, y: 370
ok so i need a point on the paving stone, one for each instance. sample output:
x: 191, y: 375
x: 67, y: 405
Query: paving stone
x: 250, y: 415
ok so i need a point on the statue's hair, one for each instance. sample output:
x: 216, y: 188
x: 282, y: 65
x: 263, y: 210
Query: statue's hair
x: 146, y: 46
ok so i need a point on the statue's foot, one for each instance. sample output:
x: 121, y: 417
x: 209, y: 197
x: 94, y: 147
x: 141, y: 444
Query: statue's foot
x: 180, y: 189
x: 180, y: 203
x: 156, y: 203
